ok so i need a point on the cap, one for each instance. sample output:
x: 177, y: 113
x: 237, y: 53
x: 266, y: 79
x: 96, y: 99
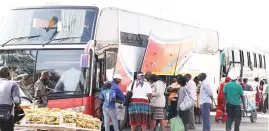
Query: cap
x: 117, y: 76
x: 233, y: 76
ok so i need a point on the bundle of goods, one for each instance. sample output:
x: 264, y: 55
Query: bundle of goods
x: 60, y: 117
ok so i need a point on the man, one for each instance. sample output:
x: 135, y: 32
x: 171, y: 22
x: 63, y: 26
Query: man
x: 206, y: 97
x: 173, y: 89
x: 265, y: 106
x: 232, y: 93
x: 9, y: 94
x: 241, y: 83
x: 221, y: 113
x: 41, y: 90
x: 119, y: 96
x: 191, y: 86
x: 70, y: 80
x: 246, y: 85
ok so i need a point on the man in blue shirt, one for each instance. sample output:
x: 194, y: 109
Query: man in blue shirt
x: 108, y: 95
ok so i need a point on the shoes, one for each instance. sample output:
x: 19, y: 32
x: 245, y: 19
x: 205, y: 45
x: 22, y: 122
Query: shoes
x: 191, y: 128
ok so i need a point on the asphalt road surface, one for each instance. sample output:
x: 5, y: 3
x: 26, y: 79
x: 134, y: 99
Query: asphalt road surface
x: 260, y: 125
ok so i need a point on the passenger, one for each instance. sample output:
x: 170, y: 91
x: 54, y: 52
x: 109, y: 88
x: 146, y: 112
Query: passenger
x: 232, y: 93
x: 241, y: 83
x: 197, y: 110
x: 260, y: 96
x: 41, y: 90
x: 139, y: 107
x: 206, y: 97
x: 221, y: 113
x: 191, y: 86
x: 182, y: 92
x: 172, y: 89
x: 117, y: 78
x: 9, y: 95
x: 247, y: 87
x: 265, y: 105
x: 157, y: 102
x: 109, y: 108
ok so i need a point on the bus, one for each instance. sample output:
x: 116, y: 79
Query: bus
x: 62, y: 38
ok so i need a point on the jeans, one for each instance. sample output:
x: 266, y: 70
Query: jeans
x: 7, y: 125
x: 110, y: 113
x: 234, y: 114
x: 191, y: 118
x: 205, y: 111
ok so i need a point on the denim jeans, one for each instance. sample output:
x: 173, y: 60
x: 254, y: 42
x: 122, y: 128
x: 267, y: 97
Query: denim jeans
x: 205, y: 111
x: 234, y: 113
x: 110, y: 113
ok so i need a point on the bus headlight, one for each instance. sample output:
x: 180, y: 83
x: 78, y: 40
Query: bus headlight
x: 77, y: 109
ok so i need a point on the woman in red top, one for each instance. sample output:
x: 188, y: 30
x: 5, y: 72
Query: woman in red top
x: 259, y: 97
x: 221, y: 113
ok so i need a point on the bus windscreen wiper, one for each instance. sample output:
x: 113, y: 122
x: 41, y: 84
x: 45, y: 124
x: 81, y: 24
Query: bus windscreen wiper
x: 21, y: 38
x: 65, y: 38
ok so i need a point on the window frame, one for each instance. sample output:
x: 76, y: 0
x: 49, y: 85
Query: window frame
x: 255, y: 60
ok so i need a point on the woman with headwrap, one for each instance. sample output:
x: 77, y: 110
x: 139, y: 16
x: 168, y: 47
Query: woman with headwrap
x: 139, y: 107
x: 221, y: 113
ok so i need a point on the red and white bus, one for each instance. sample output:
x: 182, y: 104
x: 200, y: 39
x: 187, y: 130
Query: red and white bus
x: 53, y: 38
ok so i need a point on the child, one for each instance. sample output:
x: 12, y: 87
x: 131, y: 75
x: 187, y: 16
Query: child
x: 108, y: 96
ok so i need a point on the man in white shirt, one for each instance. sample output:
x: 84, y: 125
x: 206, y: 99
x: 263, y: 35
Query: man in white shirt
x: 206, y: 97
x: 71, y: 80
x: 191, y: 87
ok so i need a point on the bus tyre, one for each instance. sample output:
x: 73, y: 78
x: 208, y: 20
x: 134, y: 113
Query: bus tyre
x: 253, y: 116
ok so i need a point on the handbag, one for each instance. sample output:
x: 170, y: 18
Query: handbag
x: 128, y: 97
x: 5, y: 112
x: 187, y: 102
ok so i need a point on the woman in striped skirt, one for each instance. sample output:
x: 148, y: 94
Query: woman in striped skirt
x: 139, y: 108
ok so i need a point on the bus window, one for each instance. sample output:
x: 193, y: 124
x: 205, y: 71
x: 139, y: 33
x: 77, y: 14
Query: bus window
x: 260, y: 61
x: 245, y: 56
x: 64, y: 65
x: 237, y: 56
x: 264, y: 62
x: 255, y: 60
x: 249, y: 59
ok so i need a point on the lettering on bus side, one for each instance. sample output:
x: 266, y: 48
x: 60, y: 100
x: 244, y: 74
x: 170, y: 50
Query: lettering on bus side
x: 134, y: 39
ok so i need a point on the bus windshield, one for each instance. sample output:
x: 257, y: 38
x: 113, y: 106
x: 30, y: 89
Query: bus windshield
x: 27, y: 65
x: 47, y: 24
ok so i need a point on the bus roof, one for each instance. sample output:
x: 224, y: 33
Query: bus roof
x: 248, y: 48
x: 101, y: 5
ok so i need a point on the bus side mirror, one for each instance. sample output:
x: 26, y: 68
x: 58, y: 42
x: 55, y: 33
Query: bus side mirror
x: 85, y: 61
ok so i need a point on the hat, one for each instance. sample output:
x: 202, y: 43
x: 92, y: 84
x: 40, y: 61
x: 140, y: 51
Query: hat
x: 233, y: 76
x: 117, y: 76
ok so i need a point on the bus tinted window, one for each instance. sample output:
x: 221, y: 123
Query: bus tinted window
x: 264, y: 62
x: 47, y: 24
x: 64, y: 66
x: 260, y: 61
x: 21, y: 63
x: 255, y: 60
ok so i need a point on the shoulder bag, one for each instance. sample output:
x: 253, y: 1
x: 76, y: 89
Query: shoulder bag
x: 129, y: 95
x: 187, y: 102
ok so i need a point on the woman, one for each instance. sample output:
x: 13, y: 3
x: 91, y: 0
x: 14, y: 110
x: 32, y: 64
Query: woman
x: 173, y: 89
x: 259, y: 96
x: 221, y: 113
x: 157, y: 102
x: 139, y: 107
x: 197, y: 110
x: 182, y: 92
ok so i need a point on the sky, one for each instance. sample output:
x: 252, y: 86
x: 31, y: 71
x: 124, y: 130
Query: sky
x: 238, y: 22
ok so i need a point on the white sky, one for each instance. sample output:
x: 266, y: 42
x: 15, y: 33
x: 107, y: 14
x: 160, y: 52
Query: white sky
x: 241, y: 22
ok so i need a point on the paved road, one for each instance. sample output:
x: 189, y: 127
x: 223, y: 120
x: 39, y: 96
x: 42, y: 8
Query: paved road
x: 246, y: 125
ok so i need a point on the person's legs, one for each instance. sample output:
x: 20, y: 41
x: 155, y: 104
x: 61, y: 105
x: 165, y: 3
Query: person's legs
x: 191, y: 118
x: 144, y: 127
x: 113, y: 115
x: 237, y: 117
x: 205, y: 110
x: 152, y: 124
x: 265, y: 105
x: 106, y: 119
x: 162, y: 124
x: 230, y: 116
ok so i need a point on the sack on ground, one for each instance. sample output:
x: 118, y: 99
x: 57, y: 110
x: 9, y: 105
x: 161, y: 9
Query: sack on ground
x: 176, y: 124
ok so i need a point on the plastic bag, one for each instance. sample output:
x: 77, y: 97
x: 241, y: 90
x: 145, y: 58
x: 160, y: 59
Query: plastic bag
x: 176, y: 124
